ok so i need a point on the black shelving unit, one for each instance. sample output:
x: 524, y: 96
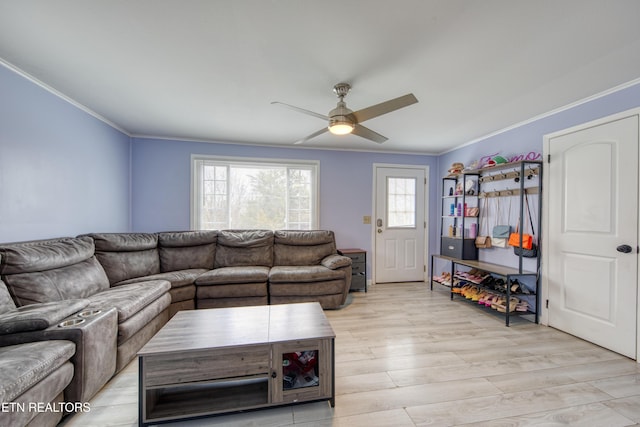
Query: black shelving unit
x: 528, y: 176
x: 457, y: 239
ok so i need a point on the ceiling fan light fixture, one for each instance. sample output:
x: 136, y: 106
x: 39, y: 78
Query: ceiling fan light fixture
x: 343, y: 121
x: 340, y: 125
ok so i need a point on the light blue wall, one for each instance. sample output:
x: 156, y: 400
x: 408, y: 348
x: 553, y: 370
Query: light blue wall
x: 62, y: 171
x: 162, y: 170
x: 529, y: 138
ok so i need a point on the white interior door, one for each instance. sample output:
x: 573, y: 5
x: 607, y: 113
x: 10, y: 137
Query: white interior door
x: 399, y: 224
x: 592, y: 213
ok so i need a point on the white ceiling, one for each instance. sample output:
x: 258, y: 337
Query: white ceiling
x: 209, y: 69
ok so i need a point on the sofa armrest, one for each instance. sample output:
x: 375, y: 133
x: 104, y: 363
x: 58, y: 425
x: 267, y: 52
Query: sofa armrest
x: 95, y: 339
x: 36, y: 317
x: 336, y: 261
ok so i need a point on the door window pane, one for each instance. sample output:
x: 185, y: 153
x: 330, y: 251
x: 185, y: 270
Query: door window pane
x: 401, y: 202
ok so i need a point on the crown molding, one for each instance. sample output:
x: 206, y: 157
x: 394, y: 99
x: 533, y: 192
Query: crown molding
x: 548, y: 114
x: 62, y: 96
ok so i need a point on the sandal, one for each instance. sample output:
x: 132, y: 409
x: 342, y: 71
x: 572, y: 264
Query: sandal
x: 498, y: 302
x: 491, y: 301
x: 476, y: 297
x: 513, y: 303
x: 486, y: 299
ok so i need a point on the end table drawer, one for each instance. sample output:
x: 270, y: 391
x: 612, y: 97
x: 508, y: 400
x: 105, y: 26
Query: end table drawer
x: 357, y: 267
x: 356, y: 257
x: 167, y: 369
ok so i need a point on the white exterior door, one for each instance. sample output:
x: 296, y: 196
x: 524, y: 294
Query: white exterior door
x: 592, y: 214
x: 399, y: 224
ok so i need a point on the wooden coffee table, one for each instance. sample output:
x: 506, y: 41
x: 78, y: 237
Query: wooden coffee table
x: 205, y: 362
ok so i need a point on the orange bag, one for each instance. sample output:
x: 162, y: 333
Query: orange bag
x: 527, y: 240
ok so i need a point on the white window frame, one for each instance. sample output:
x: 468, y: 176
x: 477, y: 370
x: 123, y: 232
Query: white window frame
x: 196, y: 180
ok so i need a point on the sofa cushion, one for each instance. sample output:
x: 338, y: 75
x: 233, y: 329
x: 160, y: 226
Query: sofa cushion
x: 127, y: 255
x: 244, y: 248
x: 303, y: 274
x: 52, y: 270
x: 75, y: 281
x: 306, y: 290
x: 177, y: 279
x: 41, y: 255
x: 302, y: 247
x: 130, y: 299
x: 228, y: 275
x: 186, y: 250
x: 6, y: 302
x: 336, y: 261
x: 50, y: 390
x: 128, y: 328
x: 23, y: 365
x: 36, y: 317
x: 184, y: 293
x: 236, y: 290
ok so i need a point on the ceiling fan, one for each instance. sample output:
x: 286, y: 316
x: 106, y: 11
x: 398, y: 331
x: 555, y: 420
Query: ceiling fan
x: 343, y: 121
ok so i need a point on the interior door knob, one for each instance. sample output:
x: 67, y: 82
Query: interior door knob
x: 625, y: 249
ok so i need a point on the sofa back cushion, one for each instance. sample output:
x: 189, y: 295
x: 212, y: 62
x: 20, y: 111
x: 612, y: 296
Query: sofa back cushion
x: 292, y: 247
x: 51, y: 270
x: 127, y: 256
x: 244, y: 247
x: 6, y: 302
x: 183, y: 250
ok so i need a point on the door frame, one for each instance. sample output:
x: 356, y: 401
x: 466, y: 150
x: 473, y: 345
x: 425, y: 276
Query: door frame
x: 374, y: 199
x: 546, y: 182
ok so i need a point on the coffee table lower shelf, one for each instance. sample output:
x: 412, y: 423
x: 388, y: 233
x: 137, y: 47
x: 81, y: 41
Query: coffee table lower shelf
x: 208, y: 398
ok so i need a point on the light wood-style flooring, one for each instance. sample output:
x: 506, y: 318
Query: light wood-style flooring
x: 408, y: 356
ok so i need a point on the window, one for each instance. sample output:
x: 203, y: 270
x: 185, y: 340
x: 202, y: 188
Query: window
x: 401, y: 202
x: 251, y: 193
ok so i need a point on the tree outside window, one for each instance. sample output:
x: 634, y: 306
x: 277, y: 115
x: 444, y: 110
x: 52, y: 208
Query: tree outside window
x: 245, y: 194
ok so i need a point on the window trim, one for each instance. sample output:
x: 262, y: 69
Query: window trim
x: 195, y: 183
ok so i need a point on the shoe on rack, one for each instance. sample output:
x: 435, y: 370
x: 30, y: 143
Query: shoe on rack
x: 498, y: 302
x: 486, y: 298
x: 488, y: 302
x: 515, y: 286
x: 513, y: 303
x: 479, y: 295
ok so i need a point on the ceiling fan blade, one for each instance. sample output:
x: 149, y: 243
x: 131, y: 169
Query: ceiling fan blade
x: 384, y: 107
x: 302, y: 110
x: 313, y: 135
x: 368, y: 134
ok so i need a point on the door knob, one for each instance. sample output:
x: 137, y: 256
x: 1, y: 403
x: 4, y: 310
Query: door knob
x: 379, y: 230
x: 625, y: 249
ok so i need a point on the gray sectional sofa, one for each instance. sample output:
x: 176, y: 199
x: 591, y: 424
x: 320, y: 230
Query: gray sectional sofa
x: 74, y: 311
